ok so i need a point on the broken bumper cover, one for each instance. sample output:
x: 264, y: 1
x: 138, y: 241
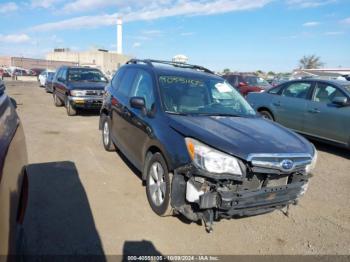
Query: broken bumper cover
x: 228, y: 202
x: 254, y: 202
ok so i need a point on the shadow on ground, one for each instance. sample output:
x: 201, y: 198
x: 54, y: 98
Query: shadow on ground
x: 59, y: 220
x: 342, y: 152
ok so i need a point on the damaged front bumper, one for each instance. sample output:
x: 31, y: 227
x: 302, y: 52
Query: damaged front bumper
x: 202, y: 196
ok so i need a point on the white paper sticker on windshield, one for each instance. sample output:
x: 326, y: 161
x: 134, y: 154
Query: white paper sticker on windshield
x: 223, y: 88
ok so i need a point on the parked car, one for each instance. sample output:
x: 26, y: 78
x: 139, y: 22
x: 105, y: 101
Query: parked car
x: 49, y: 82
x: 201, y: 148
x: 4, y: 73
x: 13, y: 178
x: 316, y: 108
x: 78, y: 88
x: 246, y: 83
x: 43, y: 77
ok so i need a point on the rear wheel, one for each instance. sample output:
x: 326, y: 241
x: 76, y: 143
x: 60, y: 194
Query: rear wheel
x: 56, y: 100
x: 71, y: 111
x: 266, y: 115
x: 106, y: 136
x: 158, y: 185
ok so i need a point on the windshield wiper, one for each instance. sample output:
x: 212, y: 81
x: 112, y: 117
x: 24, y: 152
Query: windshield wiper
x: 219, y: 114
x: 176, y: 113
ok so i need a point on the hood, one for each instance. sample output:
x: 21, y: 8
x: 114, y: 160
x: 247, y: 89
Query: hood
x: 87, y: 85
x: 240, y: 136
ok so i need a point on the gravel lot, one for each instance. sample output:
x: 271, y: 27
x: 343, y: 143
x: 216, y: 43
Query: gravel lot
x: 84, y: 200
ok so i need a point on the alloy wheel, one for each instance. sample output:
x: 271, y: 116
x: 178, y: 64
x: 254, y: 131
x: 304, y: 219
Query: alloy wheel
x: 157, y: 185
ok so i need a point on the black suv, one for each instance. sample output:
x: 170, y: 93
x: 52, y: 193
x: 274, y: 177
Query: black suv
x: 78, y: 88
x: 202, y: 150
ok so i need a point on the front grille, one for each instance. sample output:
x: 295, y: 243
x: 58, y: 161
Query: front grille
x: 94, y: 92
x: 279, y: 163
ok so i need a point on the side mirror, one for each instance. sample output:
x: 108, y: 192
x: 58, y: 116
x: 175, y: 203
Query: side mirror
x: 138, y: 102
x: 340, y: 101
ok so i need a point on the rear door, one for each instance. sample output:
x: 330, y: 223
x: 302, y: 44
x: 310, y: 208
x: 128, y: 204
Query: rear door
x: 121, y: 87
x: 291, y: 105
x: 324, y: 119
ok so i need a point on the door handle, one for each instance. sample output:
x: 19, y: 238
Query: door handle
x: 314, y: 111
x: 277, y: 103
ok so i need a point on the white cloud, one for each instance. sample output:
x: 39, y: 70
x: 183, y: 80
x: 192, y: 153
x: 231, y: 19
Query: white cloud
x: 8, y: 7
x: 15, y: 39
x: 136, y: 45
x: 346, y: 21
x: 187, y: 34
x: 311, y: 24
x: 44, y: 3
x: 151, y: 10
x: 334, y: 33
x: 309, y: 3
x: 78, y: 23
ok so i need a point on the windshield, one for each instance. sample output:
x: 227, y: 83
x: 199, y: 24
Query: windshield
x: 206, y: 96
x: 85, y: 74
x: 256, y: 81
x: 50, y: 75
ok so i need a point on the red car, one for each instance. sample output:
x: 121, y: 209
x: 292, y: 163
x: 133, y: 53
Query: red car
x: 246, y: 83
x: 4, y: 73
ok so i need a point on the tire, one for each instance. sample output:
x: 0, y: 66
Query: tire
x: 158, y: 185
x: 71, y: 111
x: 266, y: 115
x: 56, y: 100
x: 106, y: 136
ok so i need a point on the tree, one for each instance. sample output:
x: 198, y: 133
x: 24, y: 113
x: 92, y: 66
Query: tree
x: 226, y: 71
x: 310, y: 62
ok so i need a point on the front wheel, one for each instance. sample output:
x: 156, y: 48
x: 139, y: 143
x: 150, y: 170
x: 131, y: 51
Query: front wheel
x: 71, y: 111
x: 158, y: 185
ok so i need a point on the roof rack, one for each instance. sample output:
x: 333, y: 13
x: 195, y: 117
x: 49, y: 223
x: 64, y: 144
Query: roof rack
x: 150, y: 62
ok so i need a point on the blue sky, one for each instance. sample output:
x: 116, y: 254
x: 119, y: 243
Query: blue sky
x: 242, y: 35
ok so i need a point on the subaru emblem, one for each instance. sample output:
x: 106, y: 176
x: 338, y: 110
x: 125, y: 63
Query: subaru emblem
x: 287, y: 164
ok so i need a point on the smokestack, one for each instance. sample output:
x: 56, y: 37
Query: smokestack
x: 119, y: 35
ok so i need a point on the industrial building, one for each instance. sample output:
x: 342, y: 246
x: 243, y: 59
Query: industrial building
x: 104, y: 60
x: 30, y: 63
x: 107, y: 61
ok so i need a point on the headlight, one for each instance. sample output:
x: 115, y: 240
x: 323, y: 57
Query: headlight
x: 311, y: 167
x: 212, y: 160
x: 78, y: 92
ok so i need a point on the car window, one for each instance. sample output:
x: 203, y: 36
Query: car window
x: 325, y: 93
x: 276, y: 89
x: 117, y: 78
x: 205, y: 95
x: 143, y: 87
x: 85, y: 75
x: 58, y: 74
x: 127, y: 82
x: 297, y: 90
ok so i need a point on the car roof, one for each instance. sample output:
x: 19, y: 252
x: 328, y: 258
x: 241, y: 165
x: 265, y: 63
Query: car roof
x: 334, y: 82
x: 174, y: 70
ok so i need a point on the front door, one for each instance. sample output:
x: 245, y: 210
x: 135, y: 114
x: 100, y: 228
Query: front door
x: 290, y: 107
x: 325, y: 119
x: 139, y: 122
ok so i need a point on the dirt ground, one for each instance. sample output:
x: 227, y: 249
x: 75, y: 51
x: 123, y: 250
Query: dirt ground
x: 84, y: 200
